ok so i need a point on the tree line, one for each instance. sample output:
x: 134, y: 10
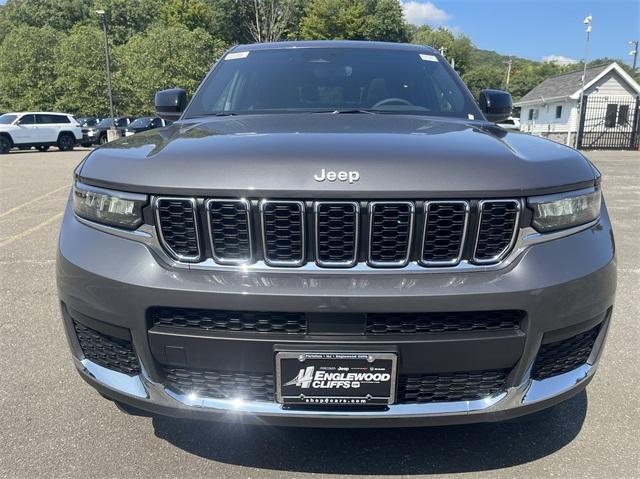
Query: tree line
x: 52, y: 51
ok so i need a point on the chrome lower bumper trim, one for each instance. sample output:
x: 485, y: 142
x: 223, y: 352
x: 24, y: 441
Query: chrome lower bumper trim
x: 529, y: 391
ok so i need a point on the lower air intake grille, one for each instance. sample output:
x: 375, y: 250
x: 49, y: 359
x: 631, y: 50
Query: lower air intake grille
x: 498, y: 222
x: 222, y: 385
x: 447, y: 387
x: 283, y: 232
x: 337, y: 233
x: 178, y: 227
x: 563, y: 356
x: 390, y: 233
x: 229, y: 230
x: 111, y: 353
x: 438, y: 323
x: 445, y: 228
x: 231, y: 321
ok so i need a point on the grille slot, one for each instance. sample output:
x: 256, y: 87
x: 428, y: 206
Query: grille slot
x: 230, y: 321
x: 109, y: 352
x: 565, y: 355
x: 221, y: 384
x: 445, y: 230
x: 337, y: 233
x: 178, y: 227
x: 449, y: 387
x: 390, y: 232
x: 229, y: 230
x: 283, y: 232
x: 439, y: 323
x: 497, y: 230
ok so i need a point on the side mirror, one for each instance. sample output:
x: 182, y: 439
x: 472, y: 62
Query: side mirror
x: 171, y: 103
x: 496, y: 105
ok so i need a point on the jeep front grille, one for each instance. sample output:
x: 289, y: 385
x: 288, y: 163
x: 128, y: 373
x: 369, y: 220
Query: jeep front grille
x: 333, y: 234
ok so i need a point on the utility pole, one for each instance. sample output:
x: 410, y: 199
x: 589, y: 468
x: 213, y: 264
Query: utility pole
x: 102, y: 15
x: 509, y: 63
x: 587, y: 22
x: 634, y: 52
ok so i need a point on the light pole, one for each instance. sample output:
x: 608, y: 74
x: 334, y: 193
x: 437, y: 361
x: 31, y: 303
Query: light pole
x: 634, y: 52
x: 587, y: 23
x: 103, y: 18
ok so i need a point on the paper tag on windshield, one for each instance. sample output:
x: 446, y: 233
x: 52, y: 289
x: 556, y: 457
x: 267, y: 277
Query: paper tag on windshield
x: 236, y: 55
x: 428, y: 58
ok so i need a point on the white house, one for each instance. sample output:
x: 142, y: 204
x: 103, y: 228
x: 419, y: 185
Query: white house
x: 551, y: 108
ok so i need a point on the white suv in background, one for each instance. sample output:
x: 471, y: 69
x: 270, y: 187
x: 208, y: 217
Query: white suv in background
x: 40, y: 129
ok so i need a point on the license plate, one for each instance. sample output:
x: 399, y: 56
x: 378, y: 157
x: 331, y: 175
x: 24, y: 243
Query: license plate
x: 335, y: 379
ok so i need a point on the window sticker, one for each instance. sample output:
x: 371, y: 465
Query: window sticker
x: 236, y: 55
x: 428, y: 58
x: 471, y: 117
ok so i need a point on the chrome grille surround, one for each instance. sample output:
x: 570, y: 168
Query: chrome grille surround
x: 372, y: 212
x: 516, y: 227
x: 463, y: 236
x: 356, y: 226
x: 264, y: 205
x: 159, y: 226
x: 219, y: 258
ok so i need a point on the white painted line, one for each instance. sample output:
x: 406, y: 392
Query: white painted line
x: 16, y: 208
x: 27, y: 232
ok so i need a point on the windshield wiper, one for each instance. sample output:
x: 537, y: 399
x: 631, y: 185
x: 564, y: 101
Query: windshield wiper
x: 219, y: 113
x: 348, y: 111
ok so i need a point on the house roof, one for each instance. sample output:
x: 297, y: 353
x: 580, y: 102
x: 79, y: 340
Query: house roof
x: 563, y: 85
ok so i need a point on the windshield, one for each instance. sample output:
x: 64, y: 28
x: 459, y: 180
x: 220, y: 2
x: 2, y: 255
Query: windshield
x: 7, y: 119
x: 330, y: 79
x: 104, y: 122
x: 140, y: 123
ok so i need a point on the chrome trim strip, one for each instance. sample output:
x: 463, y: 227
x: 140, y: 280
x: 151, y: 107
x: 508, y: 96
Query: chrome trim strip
x: 499, y: 257
x: 337, y: 264
x: 247, y: 210
x: 196, y: 221
x: 303, y: 246
x: 528, y: 391
x: 412, y: 214
x: 456, y: 260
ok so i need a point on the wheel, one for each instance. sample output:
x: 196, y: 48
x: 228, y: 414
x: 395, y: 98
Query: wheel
x: 5, y: 144
x: 43, y: 147
x: 103, y: 139
x: 66, y: 142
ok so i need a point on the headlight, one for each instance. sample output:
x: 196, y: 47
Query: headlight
x: 565, y: 210
x: 113, y: 208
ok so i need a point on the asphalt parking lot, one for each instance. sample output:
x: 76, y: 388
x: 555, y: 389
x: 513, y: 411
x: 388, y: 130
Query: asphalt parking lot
x: 54, y: 425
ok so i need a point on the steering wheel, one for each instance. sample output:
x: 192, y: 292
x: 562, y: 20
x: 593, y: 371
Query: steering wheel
x: 386, y: 101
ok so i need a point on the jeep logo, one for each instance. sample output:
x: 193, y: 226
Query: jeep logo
x: 350, y: 176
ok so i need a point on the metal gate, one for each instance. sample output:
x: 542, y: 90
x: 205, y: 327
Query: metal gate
x: 609, y: 123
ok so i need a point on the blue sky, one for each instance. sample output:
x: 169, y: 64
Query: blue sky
x: 536, y: 29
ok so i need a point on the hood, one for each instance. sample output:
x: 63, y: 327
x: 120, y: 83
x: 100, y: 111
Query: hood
x: 392, y: 156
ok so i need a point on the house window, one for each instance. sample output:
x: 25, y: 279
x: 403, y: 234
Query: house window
x: 558, y: 111
x: 610, y: 115
x: 530, y: 114
x: 623, y: 115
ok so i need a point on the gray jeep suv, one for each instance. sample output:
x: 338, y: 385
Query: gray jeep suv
x: 335, y: 234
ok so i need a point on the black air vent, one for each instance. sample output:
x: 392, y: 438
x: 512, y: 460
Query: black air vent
x: 390, y: 233
x: 178, y: 227
x: 445, y: 228
x: 337, y: 233
x: 450, y: 387
x: 283, y: 232
x: 230, y: 230
x: 496, y: 231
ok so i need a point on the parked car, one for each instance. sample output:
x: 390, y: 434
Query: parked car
x: 97, y: 134
x: 511, y: 123
x: 41, y: 130
x: 143, y: 124
x: 336, y: 234
x: 88, y: 121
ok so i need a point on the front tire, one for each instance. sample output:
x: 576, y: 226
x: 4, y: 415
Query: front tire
x: 43, y: 148
x: 5, y: 144
x: 66, y: 142
x: 103, y: 140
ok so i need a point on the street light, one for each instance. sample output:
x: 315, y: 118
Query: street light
x: 112, y: 129
x: 587, y: 23
x: 634, y: 52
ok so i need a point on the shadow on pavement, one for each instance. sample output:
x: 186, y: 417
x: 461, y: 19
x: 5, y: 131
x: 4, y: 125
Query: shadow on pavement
x: 454, y: 449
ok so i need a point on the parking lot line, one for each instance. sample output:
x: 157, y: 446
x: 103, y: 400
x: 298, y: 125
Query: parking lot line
x: 16, y: 208
x: 28, y: 231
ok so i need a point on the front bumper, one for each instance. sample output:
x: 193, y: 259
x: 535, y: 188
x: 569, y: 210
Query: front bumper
x: 565, y: 286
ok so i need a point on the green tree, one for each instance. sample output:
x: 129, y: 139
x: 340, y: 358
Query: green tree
x: 228, y: 20
x: 190, y: 13
x: 80, y: 76
x: 57, y: 14
x: 162, y: 57
x: 483, y: 77
x: 27, y: 68
x: 457, y: 49
x: 126, y: 18
x: 354, y: 20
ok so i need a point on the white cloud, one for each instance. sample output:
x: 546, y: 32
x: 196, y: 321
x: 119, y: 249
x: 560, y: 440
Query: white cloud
x: 559, y: 59
x: 418, y: 13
